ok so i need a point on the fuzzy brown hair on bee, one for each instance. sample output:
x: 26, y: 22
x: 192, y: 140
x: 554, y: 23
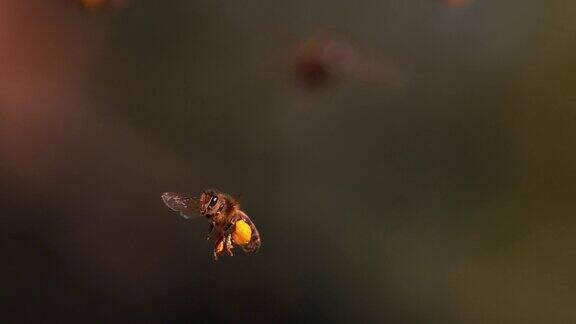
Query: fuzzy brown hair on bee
x: 230, y: 225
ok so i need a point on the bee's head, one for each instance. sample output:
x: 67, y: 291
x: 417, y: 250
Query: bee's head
x: 212, y: 202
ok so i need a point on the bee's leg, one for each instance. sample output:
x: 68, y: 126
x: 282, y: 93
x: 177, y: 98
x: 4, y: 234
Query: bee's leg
x: 229, y: 229
x: 229, y: 245
x: 210, y: 231
x: 219, y: 246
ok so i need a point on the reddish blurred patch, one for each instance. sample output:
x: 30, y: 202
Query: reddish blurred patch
x: 45, y: 52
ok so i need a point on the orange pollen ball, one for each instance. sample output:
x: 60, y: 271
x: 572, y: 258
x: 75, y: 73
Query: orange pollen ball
x: 242, y: 233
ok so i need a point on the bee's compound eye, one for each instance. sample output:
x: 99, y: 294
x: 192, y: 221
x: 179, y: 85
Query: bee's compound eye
x: 213, y: 201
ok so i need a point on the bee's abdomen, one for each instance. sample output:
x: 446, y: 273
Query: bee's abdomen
x: 255, y: 242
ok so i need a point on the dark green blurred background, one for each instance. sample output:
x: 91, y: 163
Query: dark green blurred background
x: 449, y: 199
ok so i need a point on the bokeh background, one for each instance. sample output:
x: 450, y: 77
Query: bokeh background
x: 447, y: 199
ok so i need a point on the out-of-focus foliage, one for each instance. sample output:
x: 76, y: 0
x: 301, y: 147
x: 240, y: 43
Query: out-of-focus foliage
x: 448, y: 199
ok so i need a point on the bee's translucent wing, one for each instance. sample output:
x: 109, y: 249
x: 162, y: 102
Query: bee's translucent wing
x: 187, y: 206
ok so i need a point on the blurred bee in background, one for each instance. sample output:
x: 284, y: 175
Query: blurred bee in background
x: 320, y: 61
x: 230, y: 224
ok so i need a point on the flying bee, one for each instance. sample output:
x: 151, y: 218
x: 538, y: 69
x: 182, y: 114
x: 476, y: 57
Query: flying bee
x: 229, y: 223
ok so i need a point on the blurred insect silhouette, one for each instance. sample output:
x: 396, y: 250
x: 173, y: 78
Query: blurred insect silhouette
x: 321, y: 61
x: 230, y: 224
